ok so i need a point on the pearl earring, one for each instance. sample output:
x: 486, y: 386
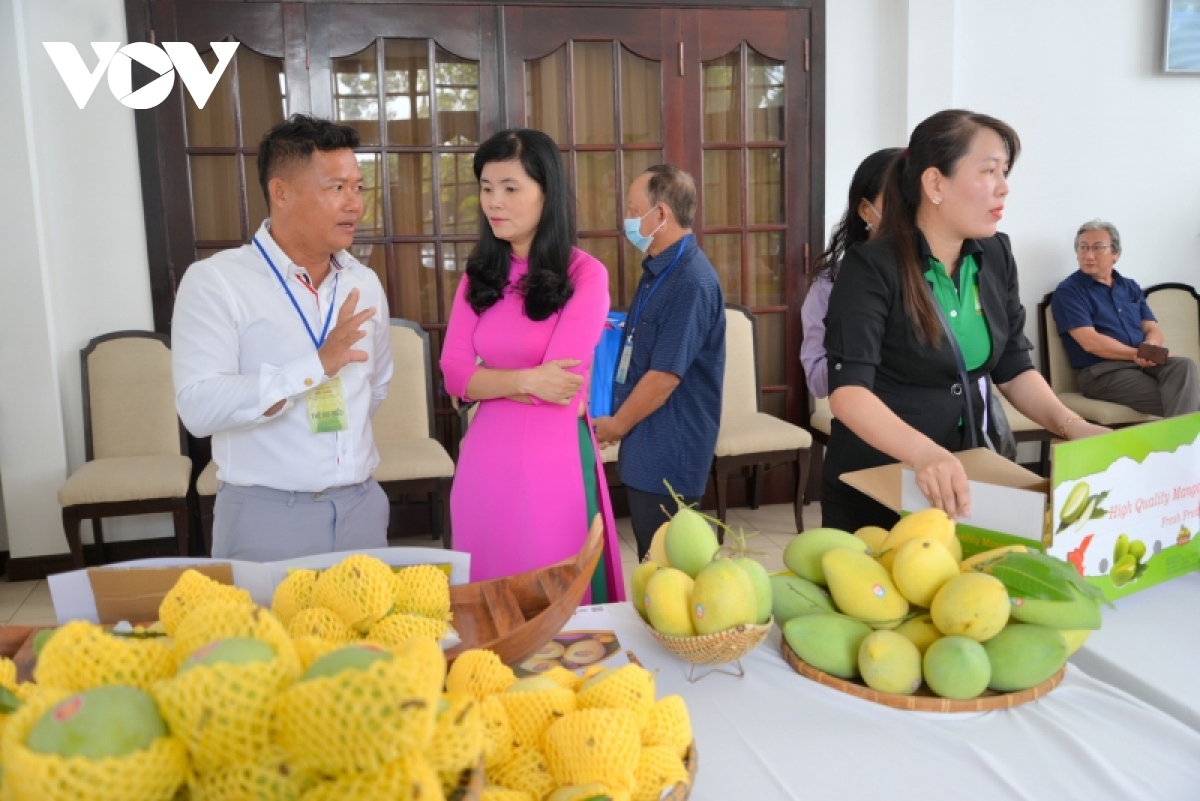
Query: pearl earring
x: 937, y: 201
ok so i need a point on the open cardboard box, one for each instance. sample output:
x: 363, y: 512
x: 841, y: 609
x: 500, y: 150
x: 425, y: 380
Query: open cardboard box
x: 133, y: 591
x: 1135, y: 485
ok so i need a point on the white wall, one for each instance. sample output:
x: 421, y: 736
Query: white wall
x: 75, y: 257
x: 1105, y: 134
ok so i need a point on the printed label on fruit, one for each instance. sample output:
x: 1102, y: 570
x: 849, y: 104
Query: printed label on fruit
x: 1018, y: 601
x: 68, y: 709
x: 700, y: 611
x: 879, y: 591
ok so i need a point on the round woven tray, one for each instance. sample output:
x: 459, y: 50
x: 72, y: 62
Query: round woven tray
x: 717, y: 648
x: 923, y: 700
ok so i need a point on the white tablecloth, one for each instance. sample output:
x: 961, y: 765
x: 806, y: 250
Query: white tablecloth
x: 1149, y: 646
x: 775, y: 735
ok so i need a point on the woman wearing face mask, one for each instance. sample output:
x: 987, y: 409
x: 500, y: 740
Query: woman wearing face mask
x: 525, y: 322
x: 858, y: 224
x: 937, y: 263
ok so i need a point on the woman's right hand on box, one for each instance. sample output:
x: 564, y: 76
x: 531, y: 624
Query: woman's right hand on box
x: 943, y: 480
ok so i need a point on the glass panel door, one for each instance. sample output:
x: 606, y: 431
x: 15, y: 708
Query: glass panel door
x: 602, y: 104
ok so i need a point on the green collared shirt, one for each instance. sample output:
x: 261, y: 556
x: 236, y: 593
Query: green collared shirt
x: 960, y: 301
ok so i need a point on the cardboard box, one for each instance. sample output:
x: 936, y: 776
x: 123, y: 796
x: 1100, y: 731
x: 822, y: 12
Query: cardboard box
x: 134, y: 590
x: 1136, y: 485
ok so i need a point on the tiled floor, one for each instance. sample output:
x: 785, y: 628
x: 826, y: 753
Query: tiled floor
x: 770, y: 528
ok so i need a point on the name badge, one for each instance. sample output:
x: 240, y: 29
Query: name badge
x: 327, y: 407
x: 623, y: 364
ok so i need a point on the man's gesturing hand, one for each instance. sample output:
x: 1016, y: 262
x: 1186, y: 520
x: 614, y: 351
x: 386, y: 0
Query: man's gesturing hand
x: 337, y: 352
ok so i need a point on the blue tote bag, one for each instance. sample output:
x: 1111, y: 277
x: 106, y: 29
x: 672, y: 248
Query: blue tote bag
x: 604, y: 365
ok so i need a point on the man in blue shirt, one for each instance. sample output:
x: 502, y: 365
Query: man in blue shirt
x: 1102, y: 318
x: 671, y: 370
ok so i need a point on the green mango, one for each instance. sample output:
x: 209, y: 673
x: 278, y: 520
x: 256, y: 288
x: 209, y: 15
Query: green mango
x: 1121, y: 548
x: 792, y: 596
x: 1123, y: 570
x: 1024, y: 655
x: 109, y: 721
x: 1137, y: 549
x: 351, y: 657
x: 827, y: 641
x: 1072, y: 509
x: 1078, y: 613
x: 957, y: 667
x: 761, y: 580
x: 803, y: 554
x: 230, y: 651
x: 690, y: 542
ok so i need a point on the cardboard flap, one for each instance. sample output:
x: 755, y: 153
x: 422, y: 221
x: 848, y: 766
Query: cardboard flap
x: 135, y: 594
x: 880, y: 483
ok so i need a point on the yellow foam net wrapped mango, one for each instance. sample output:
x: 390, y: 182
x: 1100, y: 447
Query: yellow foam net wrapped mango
x: 82, y: 655
x: 457, y: 737
x: 359, y: 589
x: 669, y: 725
x: 224, y: 713
x: 658, y: 768
x: 191, y: 590
x: 629, y: 687
x: 479, y: 672
x: 526, y: 769
x: 269, y: 778
x: 309, y: 649
x: 359, y: 720
x: 221, y: 619
x: 294, y: 594
x: 531, y: 712
x: 494, y: 793
x: 588, y: 792
x: 422, y: 590
x: 497, y: 731
x: 594, y: 745
x: 395, y: 629
x: 317, y: 621
x: 151, y: 774
x: 409, y: 778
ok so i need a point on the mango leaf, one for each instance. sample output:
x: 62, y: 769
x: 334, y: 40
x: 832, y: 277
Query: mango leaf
x: 1030, y: 579
x: 1048, y: 570
x: 9, y: 703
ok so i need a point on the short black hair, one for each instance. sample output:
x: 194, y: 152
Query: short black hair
x: 675, y: 189
x: 295, y: 139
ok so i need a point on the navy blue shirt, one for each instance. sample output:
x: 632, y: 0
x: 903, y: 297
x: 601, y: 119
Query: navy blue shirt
x: 1117, y: 311
x: 681, y: 330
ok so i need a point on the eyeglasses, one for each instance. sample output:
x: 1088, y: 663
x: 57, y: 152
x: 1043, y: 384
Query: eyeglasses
x: 1100, y: 247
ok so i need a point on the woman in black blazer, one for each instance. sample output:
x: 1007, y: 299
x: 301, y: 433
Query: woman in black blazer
x: 895, y: 386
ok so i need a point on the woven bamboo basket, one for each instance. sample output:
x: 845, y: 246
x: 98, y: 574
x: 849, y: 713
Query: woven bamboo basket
x: 470, y: 786
x: 681, y: 791
x: 719, y: 648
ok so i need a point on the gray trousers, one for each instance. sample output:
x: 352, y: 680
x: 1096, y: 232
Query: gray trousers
x: 259, y: 524
x: 1169, y: 390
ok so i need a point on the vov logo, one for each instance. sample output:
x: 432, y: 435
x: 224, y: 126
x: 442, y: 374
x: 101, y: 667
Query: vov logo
x: 178, y: 57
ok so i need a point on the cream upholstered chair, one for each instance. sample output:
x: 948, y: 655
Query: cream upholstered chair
x: 1061, y: 378
x: 136, y: 448
x: 821, y: 419
x: 748, y: 436
x: 1025, y: 430
x: 410, y: 458
x: 1177, y: 307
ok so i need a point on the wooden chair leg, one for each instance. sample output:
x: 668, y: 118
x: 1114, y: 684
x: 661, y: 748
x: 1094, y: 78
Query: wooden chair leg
x: 721, y: 484
x: 98, y: 539
x: 803, y: 463
x: 71, y: 524
x: 756, y: 475
x: 446, y: 528
x: 182, y: 529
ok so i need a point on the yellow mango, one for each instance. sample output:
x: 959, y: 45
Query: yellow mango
x: 658, y: 547
x: 722, y: 597
x: 921, y: 567
x: 873, y: 536
x: 862, y: 588
x: 1075, y: 638
x: 920, y: 631
x: 889, y: 663
x: 668, y: 598
x: 931, y: 522
x: 972, y: 605
x: 641, y: 575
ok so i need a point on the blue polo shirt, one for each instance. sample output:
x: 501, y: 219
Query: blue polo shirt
x: 1117, y: 311
x: 680, y: 330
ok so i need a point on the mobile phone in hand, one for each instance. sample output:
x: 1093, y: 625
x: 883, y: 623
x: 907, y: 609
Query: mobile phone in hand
x: 1155, y: 354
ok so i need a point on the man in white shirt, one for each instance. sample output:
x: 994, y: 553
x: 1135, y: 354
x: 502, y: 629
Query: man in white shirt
x: 281, y: 353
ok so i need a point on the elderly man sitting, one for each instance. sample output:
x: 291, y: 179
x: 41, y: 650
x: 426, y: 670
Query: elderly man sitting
x: 1103, y: 317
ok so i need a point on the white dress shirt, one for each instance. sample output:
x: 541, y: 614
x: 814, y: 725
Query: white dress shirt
x: 238, y: 347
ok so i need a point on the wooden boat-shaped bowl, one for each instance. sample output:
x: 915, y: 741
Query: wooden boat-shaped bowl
x: 516, y: 615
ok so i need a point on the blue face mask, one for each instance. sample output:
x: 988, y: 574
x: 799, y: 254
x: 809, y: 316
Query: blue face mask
x: 633, y: 231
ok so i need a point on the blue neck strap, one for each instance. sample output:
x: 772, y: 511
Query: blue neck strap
x: 636, y: 312
x: 317, y: 343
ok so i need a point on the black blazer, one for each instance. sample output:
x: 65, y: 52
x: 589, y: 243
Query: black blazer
x: 870, y: 343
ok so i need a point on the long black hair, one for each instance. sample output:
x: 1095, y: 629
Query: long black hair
x: 941, y: 141
x: 867, y: 184
x: 546, y: 287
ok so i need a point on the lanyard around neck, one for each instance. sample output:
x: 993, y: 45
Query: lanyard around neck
x: 317, y: 343
x: 636, y: 312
